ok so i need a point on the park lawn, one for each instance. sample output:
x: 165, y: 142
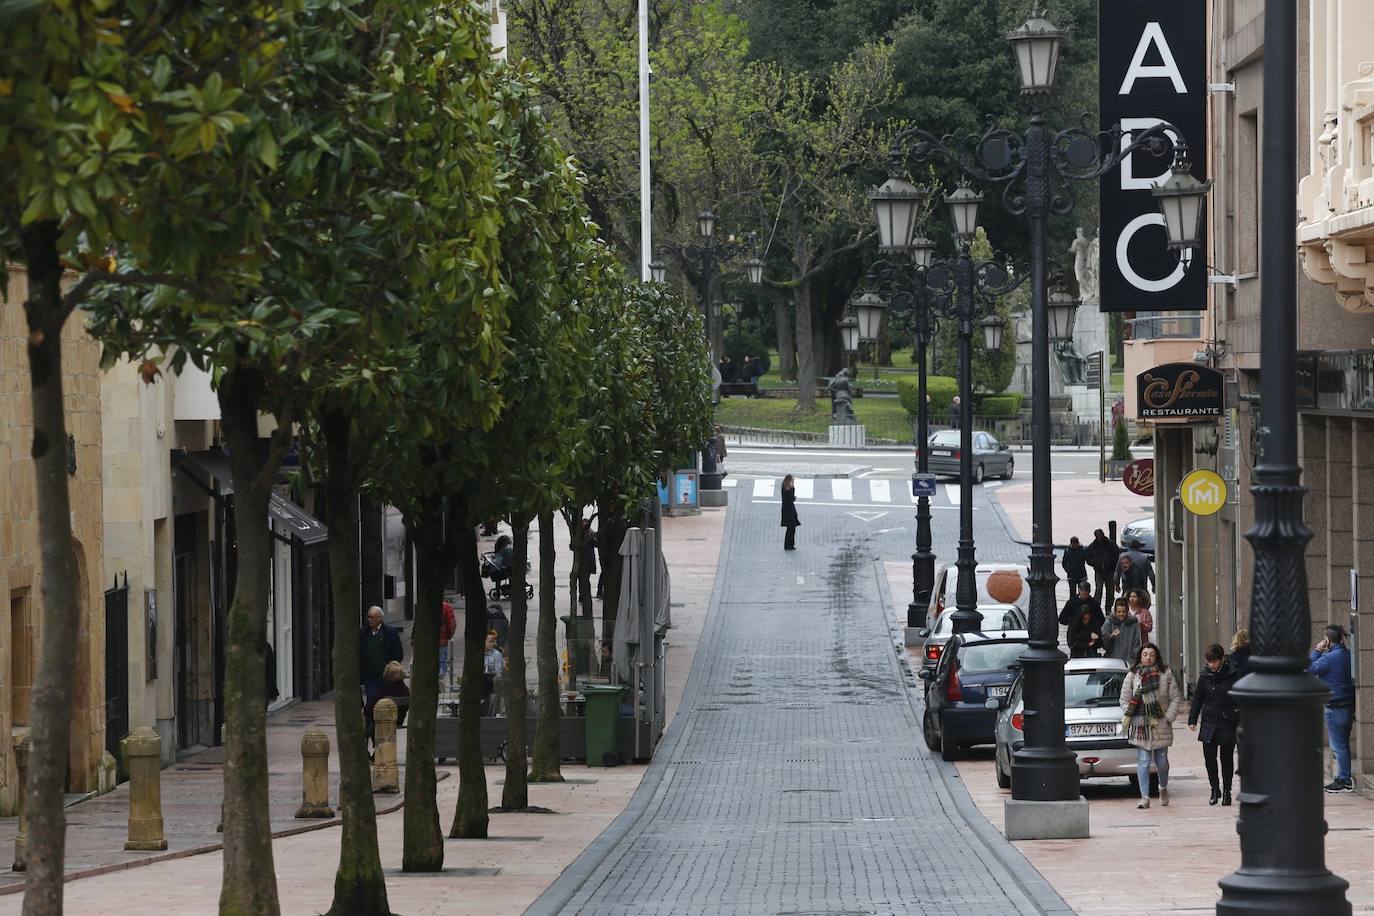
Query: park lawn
x: 884, y: 417
x: 887, y: 379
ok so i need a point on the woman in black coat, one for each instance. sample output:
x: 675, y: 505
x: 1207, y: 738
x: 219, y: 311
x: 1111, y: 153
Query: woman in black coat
x: 789, y: 513
x: 1085, y: 635
x: 1212, y: 704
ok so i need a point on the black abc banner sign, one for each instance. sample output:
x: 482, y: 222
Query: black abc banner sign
x: 1153, y: 68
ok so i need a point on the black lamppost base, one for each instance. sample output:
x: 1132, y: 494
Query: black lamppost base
x: 1043, y: 770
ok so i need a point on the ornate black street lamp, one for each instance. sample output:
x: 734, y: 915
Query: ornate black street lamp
x: 1282, y: 825
x: 964, y: 290
x: 1037, y: 166
x: 709, y: 256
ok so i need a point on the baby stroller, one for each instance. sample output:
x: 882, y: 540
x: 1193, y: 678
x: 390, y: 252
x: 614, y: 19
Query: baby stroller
x: 494, y: 568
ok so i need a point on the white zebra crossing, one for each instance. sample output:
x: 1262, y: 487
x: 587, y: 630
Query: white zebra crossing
x: 763, y: 488
x: 806, y: 487
x: 841, y: 489
x: 880, y: 491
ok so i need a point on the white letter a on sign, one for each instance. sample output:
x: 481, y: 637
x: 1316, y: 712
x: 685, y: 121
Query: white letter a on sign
x: 1153, y: 34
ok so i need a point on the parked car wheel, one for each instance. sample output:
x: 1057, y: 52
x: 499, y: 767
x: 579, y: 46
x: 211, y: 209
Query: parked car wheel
x: 1003, y: 779
x: 928, y: 730
x: 1011, y: 469
x: 949, y: 750
x: 978, y: 473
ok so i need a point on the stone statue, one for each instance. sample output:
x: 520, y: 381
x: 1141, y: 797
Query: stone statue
x: 1073, y: 368
x: 842, y: 400
x: 1085, y: 266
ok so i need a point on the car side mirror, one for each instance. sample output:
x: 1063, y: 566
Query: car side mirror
x: 923, y: 632
x: 925, y: 674
x: 993, y: 703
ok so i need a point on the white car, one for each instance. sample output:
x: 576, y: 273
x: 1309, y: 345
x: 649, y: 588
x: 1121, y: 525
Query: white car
x: 997, y: 583
x: 1092, y: 722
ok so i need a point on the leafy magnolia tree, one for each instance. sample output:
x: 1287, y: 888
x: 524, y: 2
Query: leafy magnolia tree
x: 446, y: 391
x: 126, y: 127
x: 544, y: 239
x: 814, y: 139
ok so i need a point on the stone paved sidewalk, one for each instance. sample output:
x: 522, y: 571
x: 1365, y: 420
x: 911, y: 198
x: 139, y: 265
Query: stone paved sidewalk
x: 500, y: 875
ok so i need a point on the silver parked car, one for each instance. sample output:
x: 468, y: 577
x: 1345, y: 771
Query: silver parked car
x: 996, y: 618
x: 1092, y: 722
x: 990, y: 457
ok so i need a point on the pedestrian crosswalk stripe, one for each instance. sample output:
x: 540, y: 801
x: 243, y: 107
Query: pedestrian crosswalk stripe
x: 806, y: 487
x: 953, y: 494
x: 763, y: 488
x: 879, y: 491
x: 729, y: 482
x: 841, y: 489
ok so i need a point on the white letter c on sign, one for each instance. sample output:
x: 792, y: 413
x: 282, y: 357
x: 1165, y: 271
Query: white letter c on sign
x: 1123, y: 244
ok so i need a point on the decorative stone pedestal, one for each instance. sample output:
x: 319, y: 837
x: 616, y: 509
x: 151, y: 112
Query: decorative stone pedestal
x: 714, y: 499
x: 385, y: 776
x: 848, y: 436
x: 142, y: 753
x: 315, y: 775
x: 1046, y: 820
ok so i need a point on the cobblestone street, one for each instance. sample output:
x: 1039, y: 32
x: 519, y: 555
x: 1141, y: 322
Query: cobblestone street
x: 793, y: 781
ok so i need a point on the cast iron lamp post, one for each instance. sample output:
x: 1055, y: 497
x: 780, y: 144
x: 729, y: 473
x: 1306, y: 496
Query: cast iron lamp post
x: 1038, y: 166
x: 964, y: 290
x: 1281, y: 824
x: 709, y: 255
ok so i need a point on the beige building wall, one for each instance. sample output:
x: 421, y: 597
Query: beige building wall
x: 21, y: 574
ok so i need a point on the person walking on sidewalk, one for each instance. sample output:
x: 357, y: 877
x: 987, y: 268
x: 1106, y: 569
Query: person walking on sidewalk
x: 1150, y: 702
x: 378, y: 644
x: 789, y: 513
x: 1240, y: 653
x: 1081, y: 600
x: 1085, y: 635
x: 1217, y: 713
x: 1102, y: 555
x: 1138, y: 603
x: 448, y: 626
x: 955, y: 416
x: 1121, y: 634
x: 1330, y: 661
x: 1075, y: 563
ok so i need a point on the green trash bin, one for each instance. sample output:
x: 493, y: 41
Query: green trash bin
x: 602, y: 714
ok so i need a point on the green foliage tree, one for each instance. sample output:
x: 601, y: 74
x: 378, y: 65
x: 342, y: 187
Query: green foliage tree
x: 125, y: 126
x: 1121, y: 442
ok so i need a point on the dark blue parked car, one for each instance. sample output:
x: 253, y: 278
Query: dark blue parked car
x: 973, y: 667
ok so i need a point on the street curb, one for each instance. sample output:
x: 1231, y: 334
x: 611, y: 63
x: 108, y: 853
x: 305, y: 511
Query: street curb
x: 1002, y: 517
x: 581, y: 870
x: 1030, y: 882
x: 18, y: 886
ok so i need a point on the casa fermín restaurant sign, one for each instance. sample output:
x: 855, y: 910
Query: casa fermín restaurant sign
x: 1179, y: 391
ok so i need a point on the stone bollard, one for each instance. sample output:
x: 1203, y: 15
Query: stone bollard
x: 143, y: 753
x: 315, y: 775
x: 385, y: 778
x: 21, y: 836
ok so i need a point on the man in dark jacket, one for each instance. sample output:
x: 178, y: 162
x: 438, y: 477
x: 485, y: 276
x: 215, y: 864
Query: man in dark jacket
x: 1130, y: 576
x: 1102, y: 555
x: 1330, y: 661
x: 377, y: 645
x: 1141, y: 561
x: 1075, y: 563
x: 1080, y: 601
x: 955, y: 415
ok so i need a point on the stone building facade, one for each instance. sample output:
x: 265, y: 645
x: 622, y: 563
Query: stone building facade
x: 21, y: 573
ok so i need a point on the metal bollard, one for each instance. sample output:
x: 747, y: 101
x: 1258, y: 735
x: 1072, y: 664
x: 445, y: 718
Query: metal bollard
x: 219, y: 828
x: 315, y: 775
x: 143, y: 753
x: 21, y: 836
x: 385, y: 777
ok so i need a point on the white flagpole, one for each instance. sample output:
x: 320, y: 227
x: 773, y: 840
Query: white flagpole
x: 646, y: 240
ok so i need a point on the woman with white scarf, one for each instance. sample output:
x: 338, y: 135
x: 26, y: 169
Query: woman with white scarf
x: 1150, y: 701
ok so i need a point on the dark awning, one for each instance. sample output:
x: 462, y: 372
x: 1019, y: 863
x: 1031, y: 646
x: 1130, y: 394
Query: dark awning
x: 213, y: 466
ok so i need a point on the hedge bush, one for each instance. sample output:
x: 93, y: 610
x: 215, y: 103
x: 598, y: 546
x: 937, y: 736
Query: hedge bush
x: 941, y: 389
x: 1007, y: 404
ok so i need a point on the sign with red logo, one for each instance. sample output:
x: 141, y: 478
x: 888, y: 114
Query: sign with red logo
x: 1139, y: 477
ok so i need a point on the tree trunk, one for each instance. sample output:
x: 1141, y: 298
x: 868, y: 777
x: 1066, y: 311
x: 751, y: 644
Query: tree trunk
x: 516, y: 794
x: 423, y: 843
x: 613, y: 527
x: 787, y: 345
x: 249, y: 884
x: 572, y: 517
x: 806, y: 349
x: 359, y: 885
x: 547, y: 754
x: 54, y: 686
x: 470, y: 816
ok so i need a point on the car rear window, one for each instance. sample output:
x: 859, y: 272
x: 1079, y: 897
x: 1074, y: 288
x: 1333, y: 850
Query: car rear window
x: 981, y: 658
x: 992, y: 620
x: 1092, y: 688
x: 948, y: 438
